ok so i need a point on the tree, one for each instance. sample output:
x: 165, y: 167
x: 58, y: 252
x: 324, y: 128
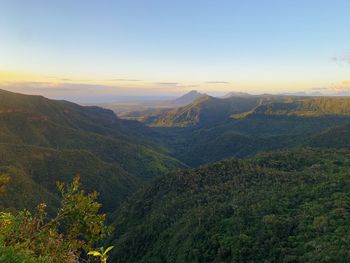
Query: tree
x: 4, y: 180
x: 76, y: 228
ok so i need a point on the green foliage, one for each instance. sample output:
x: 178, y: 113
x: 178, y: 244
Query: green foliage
x: 335, y: 137
x: 77, y: 227
x: 287, y: 206
x: 307, y: 106
x: 102, y: 254
x: 4, y: 180
x: 42, y: 141
x: 17, y: 254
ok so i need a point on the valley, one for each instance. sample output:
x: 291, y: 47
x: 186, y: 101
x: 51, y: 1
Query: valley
x: 240, y: 178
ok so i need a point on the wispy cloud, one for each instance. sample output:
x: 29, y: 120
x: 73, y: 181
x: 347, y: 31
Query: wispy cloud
x: 63, y: 79
x: 176, y: 85
x: 343, y: 86
x: 129, y: 80
x: 217, y: 82
x: 167, y: 83
x: 67, y: 79
x: 336, y: 88
x: 189, y: 86
x: 343, y: 58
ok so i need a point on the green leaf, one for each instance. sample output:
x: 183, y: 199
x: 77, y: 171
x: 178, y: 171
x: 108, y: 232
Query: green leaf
x: 95, y: 253
x: 108, y: 249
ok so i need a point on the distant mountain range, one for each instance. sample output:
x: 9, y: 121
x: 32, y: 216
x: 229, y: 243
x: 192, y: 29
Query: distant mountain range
x: 211, y: 129
x: 236, y: 94
x: 129, y: 109
x: 208, y: 110
x: 149, y: 111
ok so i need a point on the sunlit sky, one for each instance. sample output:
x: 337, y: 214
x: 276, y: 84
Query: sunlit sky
x: 145, y: 47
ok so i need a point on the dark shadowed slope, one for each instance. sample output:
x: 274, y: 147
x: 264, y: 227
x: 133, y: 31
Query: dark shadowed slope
x: 290, y: 206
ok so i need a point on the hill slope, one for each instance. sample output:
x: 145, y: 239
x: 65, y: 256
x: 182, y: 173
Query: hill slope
x: 42, y: 141
x: 212, y: 129
x: 204, y: 111
x: 305, y: 107
x: 337, y: 137
x: 290, y: 206
x: 208, y: 111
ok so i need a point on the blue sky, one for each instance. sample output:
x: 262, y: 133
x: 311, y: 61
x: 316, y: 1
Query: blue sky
x: 167, y: 47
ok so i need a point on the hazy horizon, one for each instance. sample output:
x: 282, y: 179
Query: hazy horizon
x: 65, y: 49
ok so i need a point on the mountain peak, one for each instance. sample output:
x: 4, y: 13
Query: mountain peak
x: 186, y: 99
x: 192, y: 92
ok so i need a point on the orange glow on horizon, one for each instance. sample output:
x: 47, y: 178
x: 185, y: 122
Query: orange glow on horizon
x: 9, y: 77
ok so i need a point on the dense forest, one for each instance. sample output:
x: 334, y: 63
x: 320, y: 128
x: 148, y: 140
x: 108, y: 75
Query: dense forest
x: 238, y: 179
x: 43, y: 141
x: 288, y: 206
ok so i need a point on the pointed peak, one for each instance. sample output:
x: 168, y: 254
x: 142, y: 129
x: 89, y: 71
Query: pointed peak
x: 188, y: 98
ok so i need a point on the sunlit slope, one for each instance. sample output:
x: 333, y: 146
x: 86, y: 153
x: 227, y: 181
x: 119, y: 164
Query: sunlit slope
x: 208, y: 111
x: 204, y: 111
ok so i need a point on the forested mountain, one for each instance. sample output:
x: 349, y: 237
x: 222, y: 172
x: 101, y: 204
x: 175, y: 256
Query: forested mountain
x: 204, y: 111
x: 290, y: 206
x: 247, y: 136
x: 143, y: 109
x: 42, y: 141
x: 306, y: 106
x: 337, y: 137
x: 211, y: 129
x: 209, y: 111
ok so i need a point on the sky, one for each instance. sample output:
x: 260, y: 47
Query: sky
x: 90, y: 48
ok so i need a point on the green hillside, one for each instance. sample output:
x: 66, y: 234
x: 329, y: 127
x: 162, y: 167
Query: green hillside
x: 305, y: 107
x: 337, y: 137
x: 42, y: 141
x: 208, y: 111
x: 204, y: 111
x: 290, y: 206
x: 212, y: 129
x: 247, y: 136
